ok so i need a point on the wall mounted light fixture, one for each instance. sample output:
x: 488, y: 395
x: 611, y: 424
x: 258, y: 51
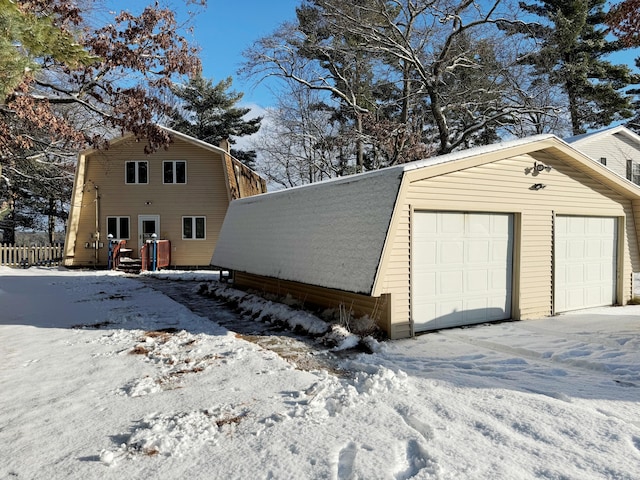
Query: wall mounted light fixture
x: 541, y: 167
x: 537, y: 186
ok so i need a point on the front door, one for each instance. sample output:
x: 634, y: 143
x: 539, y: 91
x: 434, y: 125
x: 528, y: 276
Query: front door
x: 147, y: 226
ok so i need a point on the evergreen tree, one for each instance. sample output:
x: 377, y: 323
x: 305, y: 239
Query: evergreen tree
x: 26, y: 36
x: 573, y: 46
x: 624, y: 20
x: 209, y: 113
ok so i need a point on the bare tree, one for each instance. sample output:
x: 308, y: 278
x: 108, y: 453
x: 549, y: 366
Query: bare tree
x: 298, y: 142
x: 436, y: 58
x: 73, y: 83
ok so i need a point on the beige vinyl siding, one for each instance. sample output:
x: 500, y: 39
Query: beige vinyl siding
x: 503, y: 186
x: 376, y: 308
x: 204, y: 194
x: 396, y: 270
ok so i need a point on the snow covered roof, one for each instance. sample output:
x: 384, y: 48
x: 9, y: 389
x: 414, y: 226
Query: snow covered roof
x: 332, y: 234
x: 329, y: 234
x: 591, y: 136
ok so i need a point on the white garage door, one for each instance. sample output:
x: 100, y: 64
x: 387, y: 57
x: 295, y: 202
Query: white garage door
x: 461, y: 270
x: 585, y: 262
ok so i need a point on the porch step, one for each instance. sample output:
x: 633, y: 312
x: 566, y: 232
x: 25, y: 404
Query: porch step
x: 130, y: 265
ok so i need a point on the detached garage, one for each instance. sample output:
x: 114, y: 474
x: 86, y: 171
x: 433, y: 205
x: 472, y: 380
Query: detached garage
x: 516, y: 230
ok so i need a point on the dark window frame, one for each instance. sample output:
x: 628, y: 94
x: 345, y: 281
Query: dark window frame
x: 175, y: 175
x: 119, y: 223
x: 194, y: 227
x: 140, y: 169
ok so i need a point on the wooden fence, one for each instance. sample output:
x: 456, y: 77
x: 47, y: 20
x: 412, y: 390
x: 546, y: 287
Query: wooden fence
x: 12, y: 256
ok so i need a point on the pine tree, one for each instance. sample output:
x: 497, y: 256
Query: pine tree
x: 624, y: 20
x: 25, y: 37
x: 573, y: 46
x: 209, y: 113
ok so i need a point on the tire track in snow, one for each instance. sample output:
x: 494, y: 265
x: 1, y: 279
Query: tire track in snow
x: 588, y: 338
x: 569, y: 363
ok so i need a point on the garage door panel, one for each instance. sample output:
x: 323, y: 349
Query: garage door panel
x: 477, y: 252
x: 479, y: 224
x: 450, y: 282
x: 585, y: 271
x: 450, y: 223
x: 452, y: 253
x: 500, y: 281
x: 477, y: 281
x: 595, y: 249
x: 473, y: 268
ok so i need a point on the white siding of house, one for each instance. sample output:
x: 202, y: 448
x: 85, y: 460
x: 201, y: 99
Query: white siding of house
x: 616, y: 148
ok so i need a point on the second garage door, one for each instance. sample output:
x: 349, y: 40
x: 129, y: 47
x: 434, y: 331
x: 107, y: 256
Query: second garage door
x: 585, y: 262
x: 461, y: 268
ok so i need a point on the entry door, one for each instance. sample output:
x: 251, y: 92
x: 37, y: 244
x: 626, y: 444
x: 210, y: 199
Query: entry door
x: 586, y: 262
x: 461, y: 269
x: 147, y: 225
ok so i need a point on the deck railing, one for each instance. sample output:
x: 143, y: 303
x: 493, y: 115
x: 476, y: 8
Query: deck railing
x: 162, y: 251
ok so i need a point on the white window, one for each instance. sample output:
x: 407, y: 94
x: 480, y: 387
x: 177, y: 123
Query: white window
x: 193, y: 228
x: 633, y: 171
x: 174, y: 171
x: 136, y: 172
x: 118, y: 227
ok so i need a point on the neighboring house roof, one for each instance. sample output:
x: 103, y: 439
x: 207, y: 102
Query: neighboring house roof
x: 600, y: 134
x: 332, y: 234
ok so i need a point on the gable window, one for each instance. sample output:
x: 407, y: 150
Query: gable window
x: 174, y: 171
x: 633, y: 171
x: 193, y: 228
x: 136, y: 172
x: 118, y: 227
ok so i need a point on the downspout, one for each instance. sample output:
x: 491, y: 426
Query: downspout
x: 97, y: 242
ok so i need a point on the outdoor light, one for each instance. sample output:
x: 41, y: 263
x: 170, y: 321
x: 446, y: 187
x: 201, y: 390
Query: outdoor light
x: 537, y: 186
x: 540, y: 167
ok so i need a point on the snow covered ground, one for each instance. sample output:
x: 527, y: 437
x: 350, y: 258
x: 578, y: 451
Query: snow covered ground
x: 102, y: 377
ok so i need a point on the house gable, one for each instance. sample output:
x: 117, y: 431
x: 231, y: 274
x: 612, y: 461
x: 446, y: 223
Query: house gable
x: 618, y: 148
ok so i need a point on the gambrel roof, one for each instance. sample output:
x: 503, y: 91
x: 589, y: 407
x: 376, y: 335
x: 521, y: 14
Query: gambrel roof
x: 332, y: 234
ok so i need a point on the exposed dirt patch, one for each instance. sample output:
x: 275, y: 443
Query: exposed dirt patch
x: 300, y: 349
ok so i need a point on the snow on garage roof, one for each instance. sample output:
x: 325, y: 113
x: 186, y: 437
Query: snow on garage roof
x: 329, y: 234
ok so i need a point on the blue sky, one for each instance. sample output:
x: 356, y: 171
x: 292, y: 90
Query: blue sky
x: 223, y: 30
x: 226, y: 28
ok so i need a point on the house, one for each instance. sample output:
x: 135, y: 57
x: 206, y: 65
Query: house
x: 181, y: 194
x: 516, y: 230
x: 618, y: 148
